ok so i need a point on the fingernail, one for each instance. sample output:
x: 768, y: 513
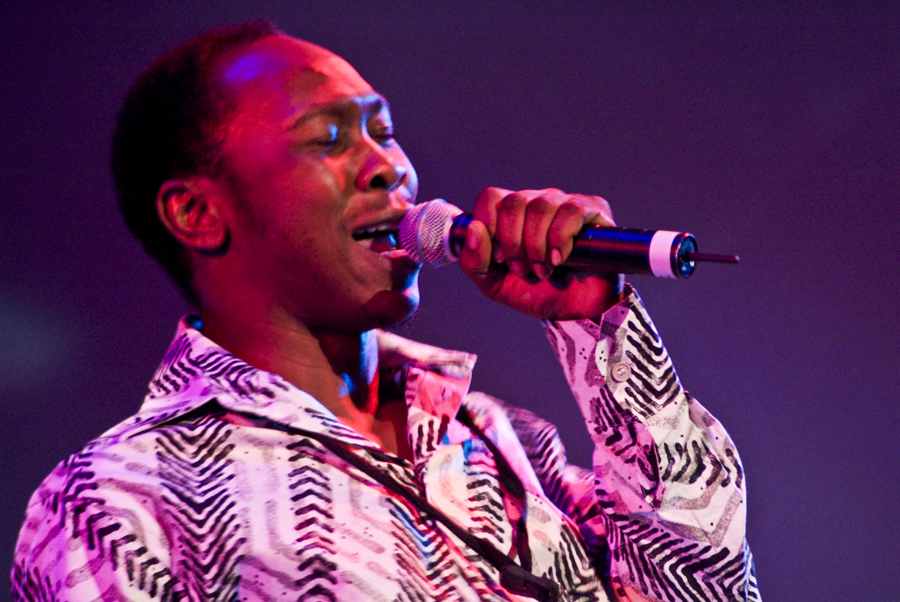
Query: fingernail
x: 498, y: 255
x: 555, y: 257
x: 520, y: 268
x: 540, y: 270
x: 472, y: 239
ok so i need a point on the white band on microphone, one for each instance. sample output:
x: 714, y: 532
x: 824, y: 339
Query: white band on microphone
x: 661, y: 253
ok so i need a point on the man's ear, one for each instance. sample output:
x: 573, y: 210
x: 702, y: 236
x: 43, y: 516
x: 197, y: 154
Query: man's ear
x: 192, y: 210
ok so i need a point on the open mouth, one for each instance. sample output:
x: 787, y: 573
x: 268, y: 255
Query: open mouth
x: 381, y: 238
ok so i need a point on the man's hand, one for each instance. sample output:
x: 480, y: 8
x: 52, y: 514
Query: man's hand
x: 515, y: 241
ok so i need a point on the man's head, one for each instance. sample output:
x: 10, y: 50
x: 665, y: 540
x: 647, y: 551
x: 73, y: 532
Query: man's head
x: 250, y: 159
x: 169, y: 126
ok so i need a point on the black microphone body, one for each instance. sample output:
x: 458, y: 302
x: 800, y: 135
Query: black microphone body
x: 434, y: 234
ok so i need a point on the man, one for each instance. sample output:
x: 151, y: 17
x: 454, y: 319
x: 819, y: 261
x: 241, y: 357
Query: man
x: 288, y: 449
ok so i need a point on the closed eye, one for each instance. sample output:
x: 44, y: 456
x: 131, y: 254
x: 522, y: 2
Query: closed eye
x: 329, y: 140
x: 381, y: 130
x: 384, y: 138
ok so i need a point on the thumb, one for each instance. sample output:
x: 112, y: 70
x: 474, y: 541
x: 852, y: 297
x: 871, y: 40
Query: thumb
x: 475, y: 257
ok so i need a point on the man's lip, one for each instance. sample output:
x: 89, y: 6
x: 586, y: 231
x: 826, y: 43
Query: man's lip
x: 396, y: 260
x: 401, y: 262
x: 376, y: 229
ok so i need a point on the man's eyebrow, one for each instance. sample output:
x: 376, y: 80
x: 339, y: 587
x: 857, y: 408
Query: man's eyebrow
x: 369, y: 105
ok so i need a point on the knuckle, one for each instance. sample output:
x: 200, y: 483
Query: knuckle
x: 572, y: 207
x: 511, y: 202
x: 597, y: 204
x: 492, y: 192
x: 539, y: 207
x: 569, y: 215
x: 486, y: 205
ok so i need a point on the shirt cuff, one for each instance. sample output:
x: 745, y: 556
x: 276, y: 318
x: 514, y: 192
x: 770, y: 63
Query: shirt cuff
x: 618, y: 369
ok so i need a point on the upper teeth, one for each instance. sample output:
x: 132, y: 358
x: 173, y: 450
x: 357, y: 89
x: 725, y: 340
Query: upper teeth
x: 374, y: 231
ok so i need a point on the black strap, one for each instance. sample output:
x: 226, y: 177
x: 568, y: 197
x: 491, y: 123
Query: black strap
x: 513, y: 577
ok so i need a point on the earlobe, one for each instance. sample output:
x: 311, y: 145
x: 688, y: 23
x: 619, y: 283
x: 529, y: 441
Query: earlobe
x: 190, y: 210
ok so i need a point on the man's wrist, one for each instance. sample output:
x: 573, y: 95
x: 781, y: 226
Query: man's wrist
x: 624, y: 291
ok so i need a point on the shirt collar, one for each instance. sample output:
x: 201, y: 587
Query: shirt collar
x: 196, y: 371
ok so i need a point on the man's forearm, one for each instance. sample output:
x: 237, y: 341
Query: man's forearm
x: 667, y: 475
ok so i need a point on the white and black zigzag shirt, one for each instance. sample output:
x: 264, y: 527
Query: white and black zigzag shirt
x: 210, y: 493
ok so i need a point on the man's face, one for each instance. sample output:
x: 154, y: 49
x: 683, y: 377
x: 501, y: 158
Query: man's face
x: 315, y: 173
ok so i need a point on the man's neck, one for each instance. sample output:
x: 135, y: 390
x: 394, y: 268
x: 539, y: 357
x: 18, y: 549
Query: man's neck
x: 340, y: 370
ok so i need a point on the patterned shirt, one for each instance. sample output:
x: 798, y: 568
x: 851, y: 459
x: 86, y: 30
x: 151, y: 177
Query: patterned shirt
x: 220, y: 487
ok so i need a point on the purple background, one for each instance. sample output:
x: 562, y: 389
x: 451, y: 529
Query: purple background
x: 766, y: 130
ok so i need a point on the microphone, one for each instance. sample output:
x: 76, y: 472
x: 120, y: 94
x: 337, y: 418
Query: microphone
x: 434, y: 234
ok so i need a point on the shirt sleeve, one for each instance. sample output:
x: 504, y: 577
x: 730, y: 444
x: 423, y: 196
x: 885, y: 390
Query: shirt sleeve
x: 668, y: 488
x: 90, y: 538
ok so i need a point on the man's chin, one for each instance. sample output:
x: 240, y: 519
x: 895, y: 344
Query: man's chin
x: 389, y: 309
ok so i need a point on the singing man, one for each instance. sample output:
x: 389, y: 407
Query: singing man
x: 290, y: 449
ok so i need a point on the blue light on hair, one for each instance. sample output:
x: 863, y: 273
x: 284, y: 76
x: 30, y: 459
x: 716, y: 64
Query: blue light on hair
x: 246, y: 68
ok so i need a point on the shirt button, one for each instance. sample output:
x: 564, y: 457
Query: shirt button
x: 621, y: 372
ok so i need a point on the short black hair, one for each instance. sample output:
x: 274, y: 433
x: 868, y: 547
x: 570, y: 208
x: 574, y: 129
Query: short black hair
x: 168, y: 128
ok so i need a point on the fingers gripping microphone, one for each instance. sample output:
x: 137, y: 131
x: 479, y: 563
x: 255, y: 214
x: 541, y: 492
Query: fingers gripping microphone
x: 434, y: 233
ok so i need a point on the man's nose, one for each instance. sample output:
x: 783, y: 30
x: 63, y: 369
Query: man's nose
x: 380, y: 172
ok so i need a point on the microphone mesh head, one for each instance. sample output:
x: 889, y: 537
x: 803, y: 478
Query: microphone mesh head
x: 424, y: 231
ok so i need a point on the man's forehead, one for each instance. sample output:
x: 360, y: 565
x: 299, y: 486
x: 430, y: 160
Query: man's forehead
x: 297, y: 64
